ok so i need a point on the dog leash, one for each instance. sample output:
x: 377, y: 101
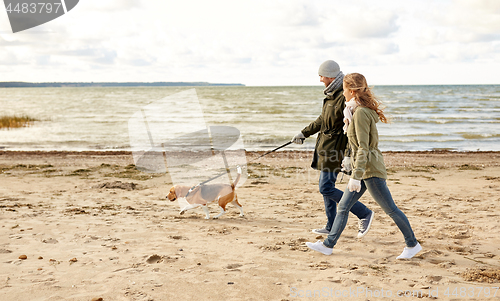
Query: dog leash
x: 220, y: 175
x: 271, y: 151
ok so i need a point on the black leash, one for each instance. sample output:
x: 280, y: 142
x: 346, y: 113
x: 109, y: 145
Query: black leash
x: 272, y: 151
x: 228, y: 170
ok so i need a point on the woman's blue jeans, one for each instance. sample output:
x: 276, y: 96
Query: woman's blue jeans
x: 380, y: 192
x: 332, y: 195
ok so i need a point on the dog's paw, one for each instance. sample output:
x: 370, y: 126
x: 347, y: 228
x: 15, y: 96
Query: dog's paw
x: 182, y: 212
x: 208, y: 217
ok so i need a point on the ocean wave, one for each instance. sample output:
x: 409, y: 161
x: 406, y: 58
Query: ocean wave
x: 407, y: 140
x: 446, y: 120
x: 417, y: 135
x: 423, y: 117
x: 407, y: 92
x: 280, y: 93
x: 479, y: 135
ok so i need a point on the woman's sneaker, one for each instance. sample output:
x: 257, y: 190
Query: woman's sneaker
x: 364, y: 224
x: 320, y: 247
x: 321, y: 231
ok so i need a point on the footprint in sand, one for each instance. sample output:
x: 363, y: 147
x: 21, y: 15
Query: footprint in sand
x: 154, y: 259
x: 233, y: 266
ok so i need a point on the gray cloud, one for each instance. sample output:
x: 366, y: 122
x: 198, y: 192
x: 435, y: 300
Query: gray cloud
x: 139, y: 62
x: 376, y: 25
x: 10, y: 59
x: 105, y: 56
x: 304, y: 15
x: 467, y: 21
x: 95, y: 55
x: 109, y: 5
x: 80, y: 52
x: 251, y: 42
x: 5, y: 43
x: 44, y: 60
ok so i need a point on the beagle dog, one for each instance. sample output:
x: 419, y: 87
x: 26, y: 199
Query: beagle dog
x: 206, y: 194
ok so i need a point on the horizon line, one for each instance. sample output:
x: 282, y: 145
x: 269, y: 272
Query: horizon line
x: 4, y: 84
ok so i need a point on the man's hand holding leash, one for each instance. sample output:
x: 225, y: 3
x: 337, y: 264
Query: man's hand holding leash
x: 299, y: 138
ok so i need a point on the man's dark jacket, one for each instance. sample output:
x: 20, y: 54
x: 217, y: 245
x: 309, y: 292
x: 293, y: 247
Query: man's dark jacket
x: 331, y: 142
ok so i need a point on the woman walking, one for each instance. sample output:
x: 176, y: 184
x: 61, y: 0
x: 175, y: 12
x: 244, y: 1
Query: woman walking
x: 361, y: 114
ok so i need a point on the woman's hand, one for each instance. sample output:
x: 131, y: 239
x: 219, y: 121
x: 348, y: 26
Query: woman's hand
x: 346, y: 165
x: 354, y: 185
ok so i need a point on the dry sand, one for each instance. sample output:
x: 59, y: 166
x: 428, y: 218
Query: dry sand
x: 86, y: 236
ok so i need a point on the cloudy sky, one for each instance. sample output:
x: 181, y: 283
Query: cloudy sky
x: 269, y: 42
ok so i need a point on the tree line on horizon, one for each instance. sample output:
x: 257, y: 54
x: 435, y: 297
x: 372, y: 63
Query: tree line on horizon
x: 108, y: 84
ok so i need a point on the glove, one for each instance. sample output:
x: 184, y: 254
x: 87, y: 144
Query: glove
x: 299, y: 138
x: 346, y: 165
x: 354, y: 185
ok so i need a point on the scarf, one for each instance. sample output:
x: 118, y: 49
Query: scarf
x: 349, y: 109
x: 337, y: 83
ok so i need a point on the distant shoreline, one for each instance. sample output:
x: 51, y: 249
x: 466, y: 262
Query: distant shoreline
x: 110, y: 84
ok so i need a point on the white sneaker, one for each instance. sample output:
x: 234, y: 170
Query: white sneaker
x: 410, y: 252
x: 321, y: 231
x: 320, y: 247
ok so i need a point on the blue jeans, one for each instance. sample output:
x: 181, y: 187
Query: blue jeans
x: 380, y: 192
x: 332, y: 195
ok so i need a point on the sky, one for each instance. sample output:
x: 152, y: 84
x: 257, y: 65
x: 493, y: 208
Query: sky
x: 259, y: 43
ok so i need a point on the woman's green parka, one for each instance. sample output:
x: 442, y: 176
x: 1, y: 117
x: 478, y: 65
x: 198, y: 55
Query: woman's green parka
x: 367, y: 159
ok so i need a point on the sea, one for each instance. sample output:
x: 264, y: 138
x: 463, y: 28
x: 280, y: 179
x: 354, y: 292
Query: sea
x: 422, y: 118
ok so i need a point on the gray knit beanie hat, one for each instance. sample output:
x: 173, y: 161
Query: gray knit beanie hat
x: 329, y: 69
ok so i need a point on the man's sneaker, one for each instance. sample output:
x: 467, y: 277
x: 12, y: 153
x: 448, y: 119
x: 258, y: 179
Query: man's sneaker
x: 320, y: 247
x: 321, y: 231
x: 410, y: 252
x: 364, y: 224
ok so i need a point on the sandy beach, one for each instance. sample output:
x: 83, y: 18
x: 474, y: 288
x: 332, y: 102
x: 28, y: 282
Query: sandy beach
x: 88, y: 225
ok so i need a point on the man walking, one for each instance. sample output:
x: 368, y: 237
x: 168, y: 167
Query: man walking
x: 330, y: 147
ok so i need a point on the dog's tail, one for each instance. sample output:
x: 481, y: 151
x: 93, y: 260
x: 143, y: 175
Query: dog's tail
x: 233, y: 186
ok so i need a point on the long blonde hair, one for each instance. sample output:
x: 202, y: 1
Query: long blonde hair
x: 363, y: 94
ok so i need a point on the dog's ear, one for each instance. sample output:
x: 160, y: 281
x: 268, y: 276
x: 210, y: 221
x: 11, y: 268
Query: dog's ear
x: 171, y: 194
